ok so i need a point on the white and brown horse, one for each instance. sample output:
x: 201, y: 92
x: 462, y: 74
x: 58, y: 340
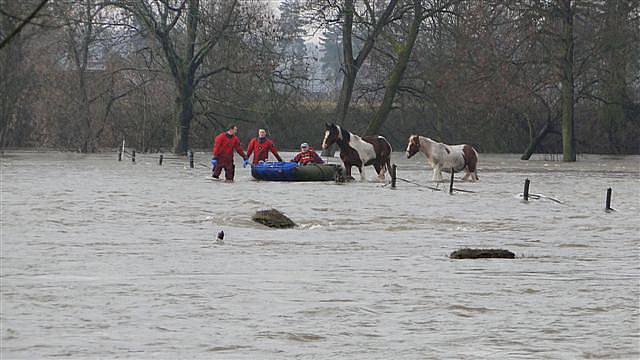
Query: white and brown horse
x: 359, y: 151
x: 445, y: 157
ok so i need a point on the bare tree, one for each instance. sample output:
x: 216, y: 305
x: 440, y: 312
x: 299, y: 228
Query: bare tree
x: 16, y: 69
x: 178, y: 27
x: 90, y: 33
x: 23, y: 22
x: 401, y: 52
x: 353, y: 63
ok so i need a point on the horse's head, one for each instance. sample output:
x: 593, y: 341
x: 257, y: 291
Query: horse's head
x: 331, y: 135
x: 413, y: 146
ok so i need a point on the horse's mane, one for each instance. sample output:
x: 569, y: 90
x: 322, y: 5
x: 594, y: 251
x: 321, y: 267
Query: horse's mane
x: 429, y: 144
x: 429, y: 139
x: 346, y: 136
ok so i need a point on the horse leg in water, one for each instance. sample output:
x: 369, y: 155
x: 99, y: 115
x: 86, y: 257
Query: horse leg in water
x: 347, y: 171
x: 474, y: 173
x: 388, y: 163
x: 379, y: 169
x: 363, y: 178
x: 470, y: 174
x: 437, y: 173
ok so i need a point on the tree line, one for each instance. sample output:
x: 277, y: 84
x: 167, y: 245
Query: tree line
x: 167, y: 75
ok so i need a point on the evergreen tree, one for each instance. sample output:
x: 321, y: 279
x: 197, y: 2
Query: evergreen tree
x: 292, y: 46
x: 331, y: 48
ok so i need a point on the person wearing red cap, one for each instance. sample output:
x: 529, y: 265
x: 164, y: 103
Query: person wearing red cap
x: 223, y: 146
x: 260, y: 148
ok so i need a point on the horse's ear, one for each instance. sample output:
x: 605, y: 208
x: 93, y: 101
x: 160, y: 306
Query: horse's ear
x: 326, y: 125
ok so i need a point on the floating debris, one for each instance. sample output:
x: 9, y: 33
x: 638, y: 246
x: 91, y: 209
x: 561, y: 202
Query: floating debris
x: 468, y: 253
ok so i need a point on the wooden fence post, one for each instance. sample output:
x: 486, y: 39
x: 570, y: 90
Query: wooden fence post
x: 394, y: 170
x: 451, y: 182
x: 608, y: 201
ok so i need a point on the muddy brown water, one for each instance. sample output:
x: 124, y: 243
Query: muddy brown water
x: 106, y: 259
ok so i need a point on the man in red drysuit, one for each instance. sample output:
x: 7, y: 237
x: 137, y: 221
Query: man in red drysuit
x: 223, y: 146
x: 260, y: 148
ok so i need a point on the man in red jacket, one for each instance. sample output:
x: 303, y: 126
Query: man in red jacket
x: 307, y: 156
x: 260, y: 148
x: 223, y: 146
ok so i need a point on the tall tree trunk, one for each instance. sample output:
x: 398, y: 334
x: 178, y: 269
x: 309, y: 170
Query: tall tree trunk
x: 397, y: 73
x: 568, y: 86
x: 12, y: 88
x: 349, y: 69
x: 614, y: 75
x: 184, y: 103
x: 87, y: 135
x: 346, y: 91
x: 187, y: 69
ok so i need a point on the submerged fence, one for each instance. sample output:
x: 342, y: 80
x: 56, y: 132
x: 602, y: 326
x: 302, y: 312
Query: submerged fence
x: 526, y: 195
x: 189, y: 159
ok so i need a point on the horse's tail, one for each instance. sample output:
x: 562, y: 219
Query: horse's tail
x: 471, y: 159
x: 387, y: 160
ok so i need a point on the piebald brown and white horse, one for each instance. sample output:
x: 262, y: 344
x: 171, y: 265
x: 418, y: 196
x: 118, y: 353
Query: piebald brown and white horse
x: 444, y: 157
x: 359, y: 151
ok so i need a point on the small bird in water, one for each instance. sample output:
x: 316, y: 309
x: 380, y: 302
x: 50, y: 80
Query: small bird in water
x: 220, y: 236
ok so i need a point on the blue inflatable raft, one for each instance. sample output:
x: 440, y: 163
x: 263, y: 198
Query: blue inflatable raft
x: 290, y: 171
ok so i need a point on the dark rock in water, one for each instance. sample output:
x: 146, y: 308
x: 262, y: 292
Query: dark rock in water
x: 273, y: 218
x: 482, y: 253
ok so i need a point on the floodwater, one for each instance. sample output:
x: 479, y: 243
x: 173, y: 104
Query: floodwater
x: 108, y: 259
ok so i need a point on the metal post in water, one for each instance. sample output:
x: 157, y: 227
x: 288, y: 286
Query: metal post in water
x: 451, y: 182
x: 394, y: 170
x: 160, y: 161
x: 190, y: 155
x: 133, y: 156
x: 608, y: 201
x: 525, y: 195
